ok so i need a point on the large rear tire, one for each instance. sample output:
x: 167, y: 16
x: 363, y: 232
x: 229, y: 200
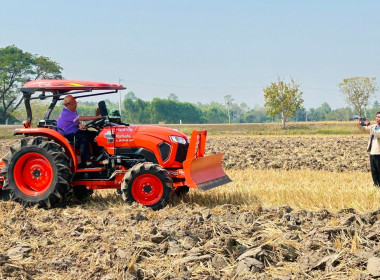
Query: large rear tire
x: 37, y: 172
x: 148, y: 184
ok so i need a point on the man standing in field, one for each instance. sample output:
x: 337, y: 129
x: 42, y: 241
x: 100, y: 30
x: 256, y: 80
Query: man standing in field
x: 373, y: 146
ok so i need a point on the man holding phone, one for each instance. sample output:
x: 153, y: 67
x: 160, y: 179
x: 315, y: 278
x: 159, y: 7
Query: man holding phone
x: 373, y: 145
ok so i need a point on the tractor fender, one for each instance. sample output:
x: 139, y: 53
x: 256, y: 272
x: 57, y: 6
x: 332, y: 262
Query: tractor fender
x: 53, y: 135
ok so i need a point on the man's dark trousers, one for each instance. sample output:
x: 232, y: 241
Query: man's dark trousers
x: 83, y: 138
x: 375, y: 169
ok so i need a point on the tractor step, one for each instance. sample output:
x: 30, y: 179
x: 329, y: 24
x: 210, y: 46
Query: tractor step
x: 92, y: 169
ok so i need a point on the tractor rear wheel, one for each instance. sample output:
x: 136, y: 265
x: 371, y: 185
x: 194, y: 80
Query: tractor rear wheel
x: 37, y: 172
x: 148, y: 184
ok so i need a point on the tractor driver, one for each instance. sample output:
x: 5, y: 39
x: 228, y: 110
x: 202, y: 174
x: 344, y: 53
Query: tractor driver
x: 69, y: 122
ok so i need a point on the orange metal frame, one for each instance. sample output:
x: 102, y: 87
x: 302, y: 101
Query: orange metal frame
x: 197, y: 144
x: 197, y: 169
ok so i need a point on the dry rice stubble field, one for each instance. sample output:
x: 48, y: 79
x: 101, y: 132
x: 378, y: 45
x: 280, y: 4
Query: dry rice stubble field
x: 304, y: 172
x: 285, y: 215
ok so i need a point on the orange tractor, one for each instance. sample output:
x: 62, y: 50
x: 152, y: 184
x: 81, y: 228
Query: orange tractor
x: 145, y: 163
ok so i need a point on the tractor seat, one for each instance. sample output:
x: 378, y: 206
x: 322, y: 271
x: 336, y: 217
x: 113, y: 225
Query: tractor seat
x: 47, y: 123
x: 52, y: 124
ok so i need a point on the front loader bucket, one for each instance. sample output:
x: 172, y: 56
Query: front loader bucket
x: 205, y: 173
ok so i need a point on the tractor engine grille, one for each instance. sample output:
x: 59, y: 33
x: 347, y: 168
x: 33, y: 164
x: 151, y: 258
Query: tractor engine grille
x: 181, y: 152
x: 164, y: 151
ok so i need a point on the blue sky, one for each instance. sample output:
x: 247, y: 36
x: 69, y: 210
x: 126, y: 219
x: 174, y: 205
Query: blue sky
x: 203, y: 50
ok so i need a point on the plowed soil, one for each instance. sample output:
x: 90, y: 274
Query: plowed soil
x: 332, y: 153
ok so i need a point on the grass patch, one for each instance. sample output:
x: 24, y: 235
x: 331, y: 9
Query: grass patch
x: 332, y: 131
x: 6, y: 131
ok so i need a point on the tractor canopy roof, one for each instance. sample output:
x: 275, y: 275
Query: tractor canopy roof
x: 67, y: 85
x: 58, y: 89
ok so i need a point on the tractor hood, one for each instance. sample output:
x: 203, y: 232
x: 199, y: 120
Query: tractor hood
x: 159, y: 131
x: 161, y: 143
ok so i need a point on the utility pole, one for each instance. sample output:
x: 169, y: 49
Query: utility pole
x: 228, y: 100
x: 120, y: 79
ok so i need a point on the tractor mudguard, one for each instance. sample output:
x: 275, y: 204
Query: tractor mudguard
x: 53, y: 135
x: 203, y: 172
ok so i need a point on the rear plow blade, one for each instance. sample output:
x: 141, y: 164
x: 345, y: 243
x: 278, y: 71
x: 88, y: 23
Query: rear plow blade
x: 205, y: 173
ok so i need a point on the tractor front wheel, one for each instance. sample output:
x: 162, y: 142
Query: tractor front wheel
x: 148, y: 184
x: 37, y: 172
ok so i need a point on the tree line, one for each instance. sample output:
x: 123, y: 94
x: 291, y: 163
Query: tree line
x: 283, y: 100
x: 166, y: 110
x: 169, y: 111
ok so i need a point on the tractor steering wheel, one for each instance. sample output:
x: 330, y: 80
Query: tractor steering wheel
x: 99, y: 122
x: 95, y: 123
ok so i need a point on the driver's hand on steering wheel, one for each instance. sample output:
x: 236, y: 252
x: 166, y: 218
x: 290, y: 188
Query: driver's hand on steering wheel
x: 82, y: 126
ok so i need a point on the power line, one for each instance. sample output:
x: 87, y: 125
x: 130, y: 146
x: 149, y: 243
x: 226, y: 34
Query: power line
x: 215, y: 87
x: 194, y: 87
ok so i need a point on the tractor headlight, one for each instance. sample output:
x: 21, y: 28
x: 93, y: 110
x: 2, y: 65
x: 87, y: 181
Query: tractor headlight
x: 177, y: 139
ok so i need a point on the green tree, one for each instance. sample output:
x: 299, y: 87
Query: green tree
x: 16, y: 68
x: 283, y: 98
x: 213, y: 112
x: 299, y: 116
x: 45, y: 68
x: 323, y: 111
x: 131, y: 95
x: 340, y: 114
x: 257, y: 115
x: 173, y: 96
x: 371, y: 112
x: 244, y: 107
x: 215, y: 115
x: 170, y: 111
x: 136, y: 109
x: 358, y: 91
x: 143, y: 111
